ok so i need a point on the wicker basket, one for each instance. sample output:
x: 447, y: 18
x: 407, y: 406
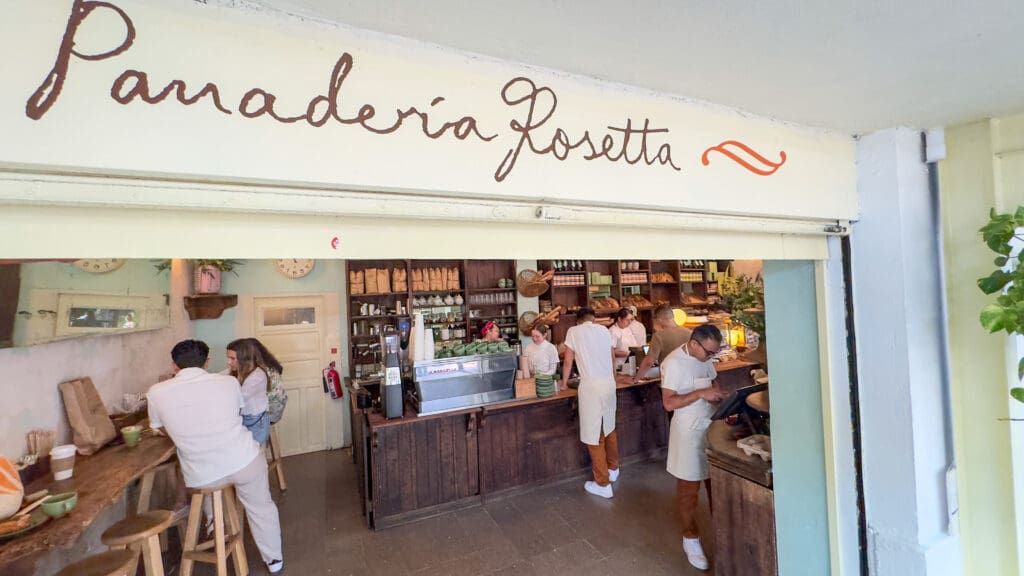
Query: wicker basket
x: 526, y: 320
x: 529, y: 285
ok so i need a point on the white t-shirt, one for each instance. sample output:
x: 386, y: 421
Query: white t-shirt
x: 541, y: 358
x: 254, y: 393
x: 639, y: 332
x: 622, y: 339
x: 683, y: 374
x: 201, y: 412
x: 592, y: 344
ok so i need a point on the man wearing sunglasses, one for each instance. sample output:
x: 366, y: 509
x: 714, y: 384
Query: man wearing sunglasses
x: 688, y: 391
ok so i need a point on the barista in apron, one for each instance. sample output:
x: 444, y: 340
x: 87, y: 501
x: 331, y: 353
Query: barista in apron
x: 590, y: 345
x: 687, y: 377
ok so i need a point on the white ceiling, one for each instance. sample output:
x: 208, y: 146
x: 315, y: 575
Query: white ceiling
x: 849, y: 65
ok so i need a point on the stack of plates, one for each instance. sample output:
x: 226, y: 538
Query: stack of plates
x: 545, y: 385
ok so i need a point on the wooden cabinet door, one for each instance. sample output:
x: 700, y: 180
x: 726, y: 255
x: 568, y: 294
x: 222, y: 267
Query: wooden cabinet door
x: 422, y: 464
x: 552, y: 439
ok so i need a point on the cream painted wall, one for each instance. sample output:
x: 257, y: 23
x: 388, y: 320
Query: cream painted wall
x: 983, y: 169
x: 117, y: 364
x: 87, y: 131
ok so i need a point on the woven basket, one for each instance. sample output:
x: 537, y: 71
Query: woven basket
x: 528, y: 285
x: 526, y: 320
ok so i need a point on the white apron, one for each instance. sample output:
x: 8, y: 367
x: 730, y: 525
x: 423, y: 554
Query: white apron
x: 596, y: 397
x: 688, y: 438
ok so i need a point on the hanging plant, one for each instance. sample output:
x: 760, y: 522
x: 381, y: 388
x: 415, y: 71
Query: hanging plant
x: 1007, y: 313
x: 207, y: 274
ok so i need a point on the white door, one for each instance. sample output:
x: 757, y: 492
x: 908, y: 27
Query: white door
x: 293, y: 330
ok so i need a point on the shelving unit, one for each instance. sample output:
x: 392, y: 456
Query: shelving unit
x: 477, y: 279
x: 662, y: 281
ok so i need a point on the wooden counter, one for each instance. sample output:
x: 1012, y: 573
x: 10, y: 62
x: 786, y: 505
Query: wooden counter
x: 744, y: 514
x: 419, y: 466
x: 99, y: 480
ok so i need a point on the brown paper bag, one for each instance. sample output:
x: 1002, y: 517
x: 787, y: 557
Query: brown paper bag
x: 371, y: 281
x: 89, y: 420
x: 384, y: 280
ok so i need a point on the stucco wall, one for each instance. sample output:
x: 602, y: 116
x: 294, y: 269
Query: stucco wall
x: 117, y: 364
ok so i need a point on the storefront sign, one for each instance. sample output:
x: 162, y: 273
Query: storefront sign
x: 182, y: 92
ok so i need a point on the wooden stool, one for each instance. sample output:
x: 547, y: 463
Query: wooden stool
x: 224, y: 543
x: 142, y: 533
x: 112, y: 563
x: 276, y: 464
x: 146, y: 493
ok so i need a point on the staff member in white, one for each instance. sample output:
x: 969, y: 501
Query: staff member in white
x: 590, y: 345
x: 623, y: 338
x: 201, y: 412
x: 541, y: 355
x: 687, y: 381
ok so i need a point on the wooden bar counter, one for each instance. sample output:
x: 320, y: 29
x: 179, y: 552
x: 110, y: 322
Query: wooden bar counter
x: 99, y: 479
x: 419, y: 466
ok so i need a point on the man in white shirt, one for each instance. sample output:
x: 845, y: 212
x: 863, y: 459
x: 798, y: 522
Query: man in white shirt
x: 687, y: 382
x: 201, y: 412
x: 590, y: 345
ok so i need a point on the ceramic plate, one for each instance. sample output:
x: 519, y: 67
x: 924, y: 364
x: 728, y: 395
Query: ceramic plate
x: 36, y: 519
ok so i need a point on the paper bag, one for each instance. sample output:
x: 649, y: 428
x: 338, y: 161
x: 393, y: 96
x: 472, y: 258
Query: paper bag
x: 383, y: 280
x: 371, y: 281
x: 89, y: 420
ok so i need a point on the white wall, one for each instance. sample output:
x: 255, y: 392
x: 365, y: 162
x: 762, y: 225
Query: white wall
x: 903, y: 389
x: 117, y: 364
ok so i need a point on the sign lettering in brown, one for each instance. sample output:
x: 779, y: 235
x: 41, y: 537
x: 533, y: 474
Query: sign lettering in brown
x: 627, y: 143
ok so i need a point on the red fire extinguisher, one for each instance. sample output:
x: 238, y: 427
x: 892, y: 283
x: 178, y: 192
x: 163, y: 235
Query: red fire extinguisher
x: 332, y: 382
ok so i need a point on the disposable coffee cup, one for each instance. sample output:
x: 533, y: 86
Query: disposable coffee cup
x: 62, y: 461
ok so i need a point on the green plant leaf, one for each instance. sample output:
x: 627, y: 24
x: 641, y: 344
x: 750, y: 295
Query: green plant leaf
x: 1000, y: 261
x: 1020, y: 369
x: 992, y: 318
x: 1018, y: 394
x: 994, y: 282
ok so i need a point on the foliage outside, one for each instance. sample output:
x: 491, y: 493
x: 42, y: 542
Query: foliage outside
x: 1007, y: 313
x: 741, y: 296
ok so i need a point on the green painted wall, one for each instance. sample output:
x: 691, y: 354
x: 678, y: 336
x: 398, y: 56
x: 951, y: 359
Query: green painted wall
x: 798, y: 448
x: 984, y: 168
x: 261, y: 278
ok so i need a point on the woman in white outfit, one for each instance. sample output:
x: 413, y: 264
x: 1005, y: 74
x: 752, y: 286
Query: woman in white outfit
x: 688, y: 391
x: 541, y: 355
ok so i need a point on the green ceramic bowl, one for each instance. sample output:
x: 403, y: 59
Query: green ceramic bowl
x: 59, y: 504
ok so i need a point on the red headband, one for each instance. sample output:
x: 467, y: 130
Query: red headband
x: 487, y: 327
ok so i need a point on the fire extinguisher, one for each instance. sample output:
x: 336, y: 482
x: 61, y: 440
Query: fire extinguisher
x: 332, y: 382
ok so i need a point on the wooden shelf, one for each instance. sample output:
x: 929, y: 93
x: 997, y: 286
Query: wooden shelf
x: 209, y: 306
x: 375, y: 294
x: 485, y: 290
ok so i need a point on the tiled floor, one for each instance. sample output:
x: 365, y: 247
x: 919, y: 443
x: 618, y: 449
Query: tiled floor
x: 558, y: 529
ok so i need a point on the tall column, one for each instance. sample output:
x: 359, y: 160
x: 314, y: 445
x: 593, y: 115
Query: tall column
x: 898, y: 308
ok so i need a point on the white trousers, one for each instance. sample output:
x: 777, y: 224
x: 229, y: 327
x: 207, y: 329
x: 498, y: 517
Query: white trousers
x: 253, y: 487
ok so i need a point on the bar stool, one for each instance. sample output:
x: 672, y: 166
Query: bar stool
x: 276, y: 464
x: 111, y: 563
x: 225, y: 543
x: 146, y: 493
x: 141, y: 533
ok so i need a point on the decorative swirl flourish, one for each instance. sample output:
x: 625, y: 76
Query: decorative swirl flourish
x: 768, y: 168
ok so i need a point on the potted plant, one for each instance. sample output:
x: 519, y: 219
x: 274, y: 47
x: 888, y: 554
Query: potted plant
x: 1002, y: 234
x: 206, y: 279
x: 743, y: 297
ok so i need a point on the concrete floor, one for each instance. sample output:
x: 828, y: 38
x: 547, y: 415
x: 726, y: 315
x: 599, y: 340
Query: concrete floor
x: 557, y: 529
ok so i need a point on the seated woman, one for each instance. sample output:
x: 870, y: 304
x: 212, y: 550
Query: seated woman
x: 252, y: 363
x: 491, y: 332
x: 541, y: 355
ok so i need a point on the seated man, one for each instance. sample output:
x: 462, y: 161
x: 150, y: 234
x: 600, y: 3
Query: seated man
x: 201, y: 412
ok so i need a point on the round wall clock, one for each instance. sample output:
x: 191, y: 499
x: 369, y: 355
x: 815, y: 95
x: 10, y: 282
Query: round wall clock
x: 99, y: 265
x: 295, y: 267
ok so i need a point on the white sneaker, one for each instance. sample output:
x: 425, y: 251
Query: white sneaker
x: 695, y: 553
x: 275, y: 566
x: 613, y: 475
x: 598, y: 490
